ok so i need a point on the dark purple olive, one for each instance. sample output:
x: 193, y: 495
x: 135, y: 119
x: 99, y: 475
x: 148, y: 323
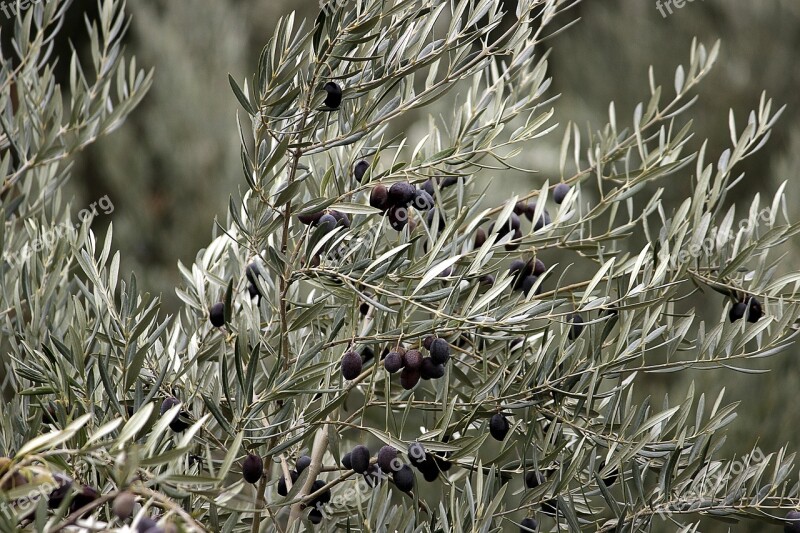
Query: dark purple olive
x: 412, y: 360
x: 404, y: 479
x: 577, y: 326
x: 283, y: 489
x: 177, y: 424
x: 440, y: 351
x: 398, y: 217
x: 401, y: 194
x: 528, y: 525
x: 393, y: 362
x: 428, y: 341
x: 560, y: 192
x: 737, y: 311
x: 386, y: 458
x: 480, y: 237
x: 315, y: 516
x: 792, y: 522
x: 379, y: 198
x: 422, y: 200
x: 498, y: 426
x: 754, y: 310
x: 216, y: 315
x: 303, y: 462
x: 351, y: 365
x: 430, y: 370
x: 528, y: 283
x: 533, y: 479
x: 409, y: 377
x: 360, y: 170
x: 359, y: 459
x: 341, y: 218
x: 327, y: 223
x: 309, y: 219
x: 334, y: 97
x: 252, y: 468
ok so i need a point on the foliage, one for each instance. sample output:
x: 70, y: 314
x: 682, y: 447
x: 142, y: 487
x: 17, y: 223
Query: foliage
x: 91, y: 358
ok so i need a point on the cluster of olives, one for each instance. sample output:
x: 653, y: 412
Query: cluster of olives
x: 395, y: 201
x: 749, y: 306
x: 387, y: 461
x: 525, y: 274
x: 413, y: 366
x: 327, y: 220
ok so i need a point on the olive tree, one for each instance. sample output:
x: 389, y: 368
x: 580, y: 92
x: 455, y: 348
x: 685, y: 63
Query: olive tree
x: 368, y: 341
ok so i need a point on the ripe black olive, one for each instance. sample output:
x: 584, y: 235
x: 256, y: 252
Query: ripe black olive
x: 334, y: 97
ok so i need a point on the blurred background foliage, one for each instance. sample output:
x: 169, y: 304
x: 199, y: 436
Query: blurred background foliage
x: 172, y: 167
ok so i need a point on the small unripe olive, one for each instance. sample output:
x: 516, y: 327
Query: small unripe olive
x: 216, y: 315
x: 334, y: 97
x: 252, y: 468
